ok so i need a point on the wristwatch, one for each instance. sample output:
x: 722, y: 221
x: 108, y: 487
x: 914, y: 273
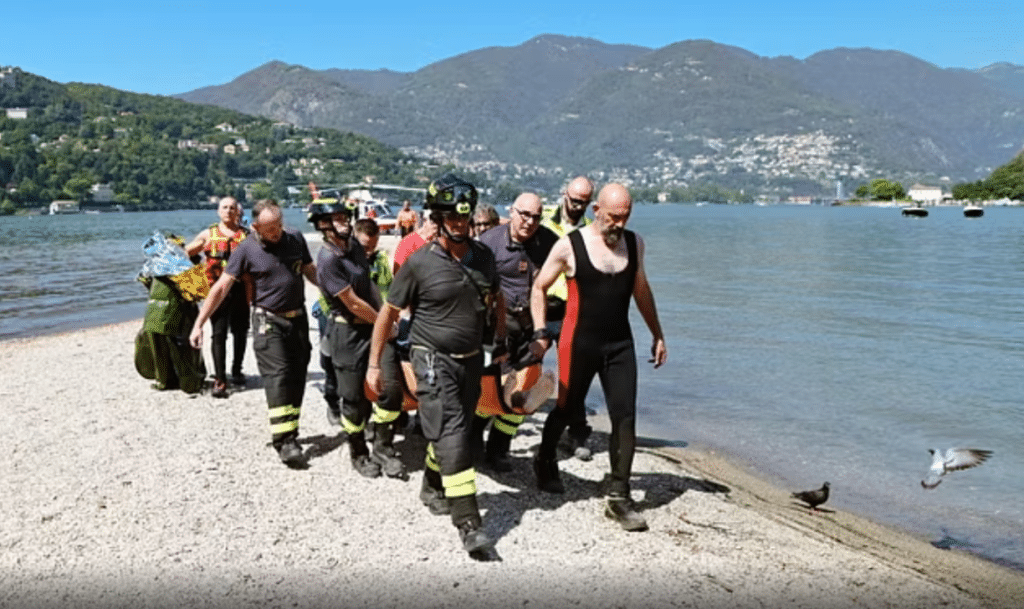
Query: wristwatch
x: 541, y: 334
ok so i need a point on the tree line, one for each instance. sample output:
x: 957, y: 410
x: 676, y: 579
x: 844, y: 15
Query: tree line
x: 157, y: 152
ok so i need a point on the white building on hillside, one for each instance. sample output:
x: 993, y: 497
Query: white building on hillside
x: 925, y: 195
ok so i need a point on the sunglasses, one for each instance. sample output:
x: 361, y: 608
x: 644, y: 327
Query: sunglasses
x: 526, y: 216
x: 578, y: 201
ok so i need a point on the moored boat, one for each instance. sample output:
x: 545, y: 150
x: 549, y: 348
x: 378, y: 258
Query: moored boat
x: 915, y: 211
x: 973, y: 211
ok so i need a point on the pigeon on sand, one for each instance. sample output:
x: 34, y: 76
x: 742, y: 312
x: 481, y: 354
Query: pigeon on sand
x: 813, y: 498
x: 951, y: 460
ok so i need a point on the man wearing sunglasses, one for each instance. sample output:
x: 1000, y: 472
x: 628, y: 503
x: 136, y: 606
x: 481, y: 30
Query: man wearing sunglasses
x: 520, y: 248
x: 452, y: 286
x: 567, y: 216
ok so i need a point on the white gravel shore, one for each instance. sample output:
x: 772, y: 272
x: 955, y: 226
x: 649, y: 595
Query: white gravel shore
x: 115, y: 495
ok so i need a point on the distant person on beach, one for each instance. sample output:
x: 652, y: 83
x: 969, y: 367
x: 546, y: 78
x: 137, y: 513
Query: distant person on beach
x: 451, y: 285
x: 217, y: 242
x: 277, y: 259
x: 484, y: 219
x: 604, y: 265
x: 407, y: 219
x: 520, y: 249
x: 567, y: 216
x: 343, y: 273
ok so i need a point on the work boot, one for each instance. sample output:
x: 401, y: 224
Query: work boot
x: 237, y: 378
x: 623, y: 511
x: 220, y: 389
x: 384, y: 453
x: 361, y: 461
x: 365, y: 467
x: 497, y: 452
x: 548, y: 479
x: 434, y: 499
x: 291, y: 453
x: 473, y: 537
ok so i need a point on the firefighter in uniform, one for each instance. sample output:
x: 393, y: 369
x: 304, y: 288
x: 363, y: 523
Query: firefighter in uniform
x: 217, y: 242
x: 343, y: 273
x: 277, y: 260
x: 452, y: 287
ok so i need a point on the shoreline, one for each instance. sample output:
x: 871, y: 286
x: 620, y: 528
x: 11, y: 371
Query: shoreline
x: 119, y: 495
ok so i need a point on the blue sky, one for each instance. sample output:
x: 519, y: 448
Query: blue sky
x: 165, y: 47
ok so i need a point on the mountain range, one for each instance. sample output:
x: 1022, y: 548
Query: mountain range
x: 693, y: 112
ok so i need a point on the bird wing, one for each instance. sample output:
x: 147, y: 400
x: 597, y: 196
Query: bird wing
x: 963, y: 458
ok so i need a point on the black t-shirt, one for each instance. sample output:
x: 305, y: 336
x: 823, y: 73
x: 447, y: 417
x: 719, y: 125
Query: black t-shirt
x: 446, y: 296
x: 276, y: 270
x: 337, y: 270
x: 518, y: 263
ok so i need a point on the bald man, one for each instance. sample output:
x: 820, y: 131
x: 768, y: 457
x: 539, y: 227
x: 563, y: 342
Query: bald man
x: 604, y: 266
x: 520, y: 248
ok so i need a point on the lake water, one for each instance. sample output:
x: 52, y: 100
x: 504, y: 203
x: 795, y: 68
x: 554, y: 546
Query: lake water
x: 813, y: 343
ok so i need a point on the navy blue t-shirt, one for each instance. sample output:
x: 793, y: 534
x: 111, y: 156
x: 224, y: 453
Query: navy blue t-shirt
x: 337, y: 270
x: 276, y: 270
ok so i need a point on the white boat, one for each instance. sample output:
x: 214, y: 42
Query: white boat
x: 916, y: 211
x: 973, y: 211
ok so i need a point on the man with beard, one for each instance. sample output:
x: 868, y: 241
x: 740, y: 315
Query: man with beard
x: 604, y: 265
x: 452, y: 286
x: 276, y: 259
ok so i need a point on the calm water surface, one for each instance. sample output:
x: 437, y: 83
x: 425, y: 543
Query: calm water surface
x: 814, y: 343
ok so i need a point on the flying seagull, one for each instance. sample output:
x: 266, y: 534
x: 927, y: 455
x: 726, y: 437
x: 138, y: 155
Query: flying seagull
x: 813, y: 498
x: 950, y: 460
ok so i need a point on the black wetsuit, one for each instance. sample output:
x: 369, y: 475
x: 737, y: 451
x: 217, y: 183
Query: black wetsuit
x: 596, y: 340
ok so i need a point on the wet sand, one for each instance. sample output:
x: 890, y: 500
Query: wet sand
x: 116, y: 495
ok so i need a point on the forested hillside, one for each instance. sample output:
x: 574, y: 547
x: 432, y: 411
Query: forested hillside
x: 159, y: 152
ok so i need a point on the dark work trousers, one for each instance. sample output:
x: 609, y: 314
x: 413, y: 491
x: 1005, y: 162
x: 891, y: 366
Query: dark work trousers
x: 233, y: 313
x: 350, y: 354
x: 330, y: 382
x: 614, y: 364
x: 447, y: 389
x: 282, y: 353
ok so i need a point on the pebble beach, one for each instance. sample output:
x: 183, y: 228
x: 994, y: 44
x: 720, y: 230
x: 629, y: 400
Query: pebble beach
x: 116, y: 495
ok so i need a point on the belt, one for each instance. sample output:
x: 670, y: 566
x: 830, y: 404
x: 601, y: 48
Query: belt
x: 285, y: 314
x: 452, y: 355
x: 356, y: 322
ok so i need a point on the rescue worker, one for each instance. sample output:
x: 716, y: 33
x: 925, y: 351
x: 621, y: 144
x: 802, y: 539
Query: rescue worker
x: 520, y: 248
x: 343, y: 274
x: 567, y: 216
x: 451, y: 285
x: 276, y: 259
x: 217, y: 242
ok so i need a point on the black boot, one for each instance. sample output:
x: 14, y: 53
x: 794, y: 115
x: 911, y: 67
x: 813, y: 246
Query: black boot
x: 361, y: 461
x: 384, y: 453
x: 466, y: 518
x: 622, y: 510
x: 497, y: 451
x: 433, y: 496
